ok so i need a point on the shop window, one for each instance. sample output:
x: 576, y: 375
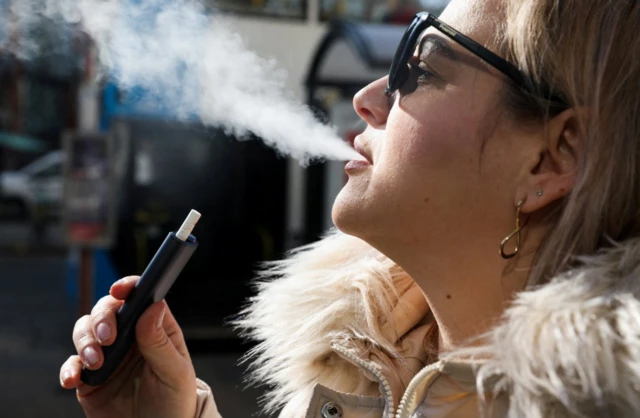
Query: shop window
x: 41, y: 111
x: 378, y: 11
x: 296, y: 9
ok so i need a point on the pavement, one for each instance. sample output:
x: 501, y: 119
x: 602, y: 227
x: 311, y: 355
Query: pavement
x: 36, y: 320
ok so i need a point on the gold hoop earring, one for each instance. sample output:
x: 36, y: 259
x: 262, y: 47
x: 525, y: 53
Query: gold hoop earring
x: 515, y: 233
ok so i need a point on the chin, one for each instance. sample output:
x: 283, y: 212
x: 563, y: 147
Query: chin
x: 349, y: 214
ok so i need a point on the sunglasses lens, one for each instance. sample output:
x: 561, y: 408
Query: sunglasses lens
x: 399, y: 71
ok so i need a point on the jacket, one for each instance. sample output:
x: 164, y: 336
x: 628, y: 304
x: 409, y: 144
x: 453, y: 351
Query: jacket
x: 343, y: 332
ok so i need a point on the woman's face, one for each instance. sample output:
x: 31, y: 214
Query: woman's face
x: 443, y: 164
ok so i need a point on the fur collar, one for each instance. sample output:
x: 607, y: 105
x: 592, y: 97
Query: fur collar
x: 570, y: 348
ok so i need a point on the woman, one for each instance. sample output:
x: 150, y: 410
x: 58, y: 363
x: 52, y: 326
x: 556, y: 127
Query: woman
x: 488, y: 256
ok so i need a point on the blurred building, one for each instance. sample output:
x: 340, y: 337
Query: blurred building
x: 42, y: 68
x: 255, y: 205
x: 42, y: 64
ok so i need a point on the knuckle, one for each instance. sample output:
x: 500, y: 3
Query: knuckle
x: 105, y: 303
x: 68, y: 363
x: 105, y: 300
x: 130, y: 279
x: 102, y: 315
x: 175, y: 332
x: 81, y: 327
x: 83, y: 320
x: 159, y: 343
x: 85, y: 339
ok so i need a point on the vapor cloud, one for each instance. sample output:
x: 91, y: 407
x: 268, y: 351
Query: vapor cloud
x: 185, y: 55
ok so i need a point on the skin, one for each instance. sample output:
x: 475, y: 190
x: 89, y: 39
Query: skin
x: 446, y: 175
x: 449, y: 168
x: 160, y: 362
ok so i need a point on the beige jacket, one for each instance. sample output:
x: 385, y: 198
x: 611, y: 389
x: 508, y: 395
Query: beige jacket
x: 343, y: 332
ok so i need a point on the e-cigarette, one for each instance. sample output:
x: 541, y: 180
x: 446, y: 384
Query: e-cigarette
x: 155, y: 282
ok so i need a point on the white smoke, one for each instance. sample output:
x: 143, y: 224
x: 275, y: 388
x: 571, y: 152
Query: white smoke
x: 182, y: 54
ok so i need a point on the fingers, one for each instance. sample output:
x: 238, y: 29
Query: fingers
x: 70, y: 373
x: 103, y: 314
x: 121, y: 289
x: 86, y: 344
x: 174, y: 332
x: 159, y: 339
x: 103, y: 319
x: 93, y: 331
x: 158, y: 349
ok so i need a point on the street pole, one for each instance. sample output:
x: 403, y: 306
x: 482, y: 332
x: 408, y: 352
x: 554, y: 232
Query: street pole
x: 84, y: 116
x: 85, y: 279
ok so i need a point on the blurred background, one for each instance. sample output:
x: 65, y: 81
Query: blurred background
x: 91, y: 184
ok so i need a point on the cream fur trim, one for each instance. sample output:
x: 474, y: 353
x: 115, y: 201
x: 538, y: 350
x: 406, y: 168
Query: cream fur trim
x: 571, y: 348
x: 568, y: 349
x: 337, y: 287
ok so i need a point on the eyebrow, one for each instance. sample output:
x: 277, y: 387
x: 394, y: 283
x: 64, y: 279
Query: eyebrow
x: 433, y: 44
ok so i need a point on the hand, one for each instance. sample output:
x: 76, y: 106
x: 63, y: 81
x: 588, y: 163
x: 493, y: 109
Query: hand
x: 159, y: 362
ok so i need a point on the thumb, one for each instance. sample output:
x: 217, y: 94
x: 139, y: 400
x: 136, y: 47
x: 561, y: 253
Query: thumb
x: 156, y: 346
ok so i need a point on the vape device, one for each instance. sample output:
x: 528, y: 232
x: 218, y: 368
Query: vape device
x: 155, y: 282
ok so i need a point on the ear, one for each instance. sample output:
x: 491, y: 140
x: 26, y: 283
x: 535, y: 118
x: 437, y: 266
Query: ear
x: 552, y: 175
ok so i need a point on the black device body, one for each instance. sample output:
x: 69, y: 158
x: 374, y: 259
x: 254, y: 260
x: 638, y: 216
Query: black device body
x: 152, y: 287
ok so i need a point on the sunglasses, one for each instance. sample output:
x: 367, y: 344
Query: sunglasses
x: 399, y: 73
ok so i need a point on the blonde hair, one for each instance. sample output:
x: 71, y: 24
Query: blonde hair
x: 589, y: 52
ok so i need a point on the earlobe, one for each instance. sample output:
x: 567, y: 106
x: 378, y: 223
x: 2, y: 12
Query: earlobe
x: 554, y: 175
x: 549, y: 188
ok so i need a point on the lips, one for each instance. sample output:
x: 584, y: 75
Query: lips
x: 362, y: 151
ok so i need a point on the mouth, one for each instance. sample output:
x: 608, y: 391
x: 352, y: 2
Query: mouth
x: 360, y: 149
x: 356, y: 166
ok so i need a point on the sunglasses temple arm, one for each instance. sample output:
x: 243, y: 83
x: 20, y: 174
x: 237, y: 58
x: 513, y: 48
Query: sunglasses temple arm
x: 480, y: 51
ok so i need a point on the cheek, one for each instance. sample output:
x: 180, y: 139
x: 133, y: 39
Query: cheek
x: 437, y: 137
x: 426, y: 166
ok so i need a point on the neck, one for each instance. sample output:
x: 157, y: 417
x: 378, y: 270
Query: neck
x: 469, y: 305
x: 466, y: 291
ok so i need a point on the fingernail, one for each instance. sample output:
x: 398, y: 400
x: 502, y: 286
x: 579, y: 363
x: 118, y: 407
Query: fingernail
x: 90, y: 356
x: 160, y: 319
x: 66, y: 376
x: 103, y: 332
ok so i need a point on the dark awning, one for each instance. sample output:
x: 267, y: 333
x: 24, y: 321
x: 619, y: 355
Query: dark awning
x: 21, y: 143
x: 351, y: 55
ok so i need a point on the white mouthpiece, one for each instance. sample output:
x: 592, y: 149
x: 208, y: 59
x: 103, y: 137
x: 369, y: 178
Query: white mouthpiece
x: 188, y: 225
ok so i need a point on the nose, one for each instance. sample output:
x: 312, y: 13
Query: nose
x: 372, y: 105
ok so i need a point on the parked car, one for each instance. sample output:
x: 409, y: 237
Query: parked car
x: 34, y: 191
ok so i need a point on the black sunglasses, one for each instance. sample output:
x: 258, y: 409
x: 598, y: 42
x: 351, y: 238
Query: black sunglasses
x: 399, y: 73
